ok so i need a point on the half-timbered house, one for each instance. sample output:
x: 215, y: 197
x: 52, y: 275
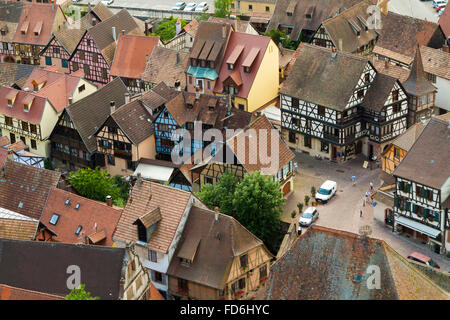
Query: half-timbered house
x: 9, y: 20
x: 197, y: 271
x: 153, y: 219
x: 193, y: 113
x: 359, y: 112
x: 59, y: 49
x: 74, y: 144
x: 130, y: 59
x: 19, y: 152
x: 37, y: 23
x: 94, y: 53
x: 127, y: 136
x: 349, y: 31
x: 94, y: 15
x: 247, y: 156
x: 423, y: 188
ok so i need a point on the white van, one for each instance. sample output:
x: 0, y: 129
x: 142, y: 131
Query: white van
x: 437, y: 3
x: 326, y: 191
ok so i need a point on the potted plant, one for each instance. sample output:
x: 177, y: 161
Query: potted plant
x: 300, y: 207
x: 307, y: 199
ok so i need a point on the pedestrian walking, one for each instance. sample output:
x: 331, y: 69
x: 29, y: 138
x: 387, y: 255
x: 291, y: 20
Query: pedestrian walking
x: 295, y: 167
x: 371, y: 186
x: 360, y: 213
x: 354, y: 180
x: 364, y: 202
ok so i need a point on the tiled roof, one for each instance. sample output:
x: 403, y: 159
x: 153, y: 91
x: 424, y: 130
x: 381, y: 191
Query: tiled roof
x: 285, y: 57
x: 3, y: 156
x: 58, y: 87
x: 4, y: 140
x: 11, y: 73
x: 252, y: 159
x: 407, y: 138
x: 164, y: 65
x: 212, y: 246
x: 401, y: 34
x: 148, y: 196
x: 427, y: 160
x: 320, y: 10
x: 24, y: 189
x: 9, y: 19
x: 340, y: 28
x: 36, y: 109
x: 436, y: 62
x: 69, y: 38
x: 238, y: 25
x: 38, y: 17
x: 42, y: 266
x: 100, y: 12
x: 379, y: 92
x: 315, y: 69
x: 16, y: 226
x: 444, y: 22
x: 131, y: 55
x: 417, y: 83
x: 13, y: 293
x: 327, y: 264
x: 254, y: 49
x: 135, y: 121
x: 103, y: 36
x: 89, y: 113
x: 191, y: 27
x: 391, y: 70
x: 157, y: 96
x: 92, y: 216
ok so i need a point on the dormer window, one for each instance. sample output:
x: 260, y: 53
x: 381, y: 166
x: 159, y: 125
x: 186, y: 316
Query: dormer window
x: 54, y: 219
x: 230, y: 66
x: 308, y: 16
x: 147, y: 224
x: 395, y: 95
x: 10, y: 102
x: 247, y: 69
x: 37, y: 29
x: 26, y: 107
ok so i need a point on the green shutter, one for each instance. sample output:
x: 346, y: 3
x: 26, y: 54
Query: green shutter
x: 424, y: 193
x: 409, y: 187
x: 396, y: 202
x: 436, y: 215
x: 400, y: 185
x: 425, y: 212
x: 408, y: 206
x: 414, y: 208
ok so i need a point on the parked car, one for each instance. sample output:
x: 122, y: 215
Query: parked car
x: 437, y: 3
x: 439, y: 8
x: 418, y: 257
x: 308, y: 217
x: 201, y: 7
x: 179, y: 6
x: 190, y: 7
x: 326, y: 191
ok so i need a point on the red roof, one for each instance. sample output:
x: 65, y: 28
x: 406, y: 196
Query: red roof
x: 3, y: 156
x: 89, y: 215
x: 37, y: 17
x: 130, y: 56
x: 444, y: 22
x: 58, y: 87
x: 13, y: 293
x: 254, y: 50
x: 34, y: 115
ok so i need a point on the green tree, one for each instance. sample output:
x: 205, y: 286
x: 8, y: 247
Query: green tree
x: 282, y: 39
x: 80, y: 294
x: 166, y: 30
x: 258, y: 204
x: 222, y: 8
x: 203, y: 17
x: 221, y: 194
x: 96, y: 184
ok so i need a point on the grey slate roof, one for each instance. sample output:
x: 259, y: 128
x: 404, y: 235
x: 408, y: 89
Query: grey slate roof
x: 379, y: 92
x: 89, y: 113
x: 43, y: 266
x: 14, y: 73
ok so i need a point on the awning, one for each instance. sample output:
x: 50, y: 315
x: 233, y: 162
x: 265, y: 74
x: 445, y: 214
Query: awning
x: 202, y: 73
x: 154, y: 172
x: 431, y: 232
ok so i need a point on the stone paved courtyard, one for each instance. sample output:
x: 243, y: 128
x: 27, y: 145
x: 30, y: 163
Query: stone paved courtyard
x: 343, y: 211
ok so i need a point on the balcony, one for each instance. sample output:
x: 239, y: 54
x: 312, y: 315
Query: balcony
x: 331, y: 137
x: 122, y: 154
x: 57, y: 154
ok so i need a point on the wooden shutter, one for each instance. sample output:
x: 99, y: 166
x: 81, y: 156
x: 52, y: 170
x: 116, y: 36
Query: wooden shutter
x: 408, y: 206
x: 396, y: 202
x: 409, y: 187
x: 414, y: 209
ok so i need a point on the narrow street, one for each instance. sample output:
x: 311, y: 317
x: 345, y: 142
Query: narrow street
x: 342, y: 212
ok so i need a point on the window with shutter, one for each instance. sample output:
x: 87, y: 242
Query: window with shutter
x: 425, y: 212
x: 414, y: 208
x: 408, y: 206
x: 408, y: 187
x: 424, y: 193
x: 436, y: 216
x: 396, y: 202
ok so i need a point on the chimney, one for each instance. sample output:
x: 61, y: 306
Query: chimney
x: 333, y: 53
x: 112, y: 106
x: 340, y: 44
x: 94, y: 21
x: 123, y: 32
x: 109, y: 201
x: 423, y: 120
x: 114, y: 33
x: 70, y: 100
x: 178, y: 26
x: 127, y: 97
x: 146, y: 28
x: 224, y: 31
x: 139, y: 180
x: 216, y: 214
x: 446, y: 48
x: 11, y: 155
x: 386, y: 64
x: 178, y: 85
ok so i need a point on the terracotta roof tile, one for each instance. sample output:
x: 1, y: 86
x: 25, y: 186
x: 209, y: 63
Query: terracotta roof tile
x: 3, y: 156
x: 417, y: 83
x: 130, y: 55
x: 164, y: 66
x: 24, y: 189
x: 16, y: 226
x: 146, y: 197
x: 444, y: 22
x: 436, y: 62
x: 36, y: 109
x: 13, y: 293
x: 204, y: 239
x: 92, y: 216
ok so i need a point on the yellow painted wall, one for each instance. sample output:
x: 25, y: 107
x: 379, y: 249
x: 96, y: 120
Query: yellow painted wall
x: 389, y: 162
x: 257, y: 7
x: 89, y: 88
x: 266, y: 84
